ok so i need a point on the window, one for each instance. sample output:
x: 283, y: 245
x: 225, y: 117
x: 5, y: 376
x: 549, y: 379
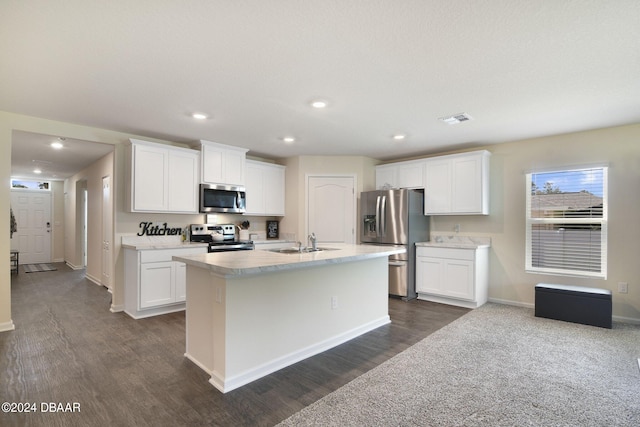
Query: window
x: 567, y: 222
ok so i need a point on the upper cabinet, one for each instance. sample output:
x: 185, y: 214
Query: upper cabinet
x: 264, y: 188
x: 222, y: 164
x: 457, y: 184
x: 162, y: 178
x: 409, y: 174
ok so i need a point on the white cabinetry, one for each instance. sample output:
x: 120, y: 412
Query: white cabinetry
x: 154, y: 283
x: 457, y: 184
x: 264, y: 188
x: 222, y: 164
x: 456, y: 276
x: 409, y: 174
x: 162, y: 178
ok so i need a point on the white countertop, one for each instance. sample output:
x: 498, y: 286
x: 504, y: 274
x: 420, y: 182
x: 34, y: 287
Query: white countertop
x: 141, y: 243
x: 238, y: 263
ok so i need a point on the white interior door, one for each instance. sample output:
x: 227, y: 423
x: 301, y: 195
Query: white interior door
x: 107, y: 231
x: 331, y: 208
x: 32, y: 210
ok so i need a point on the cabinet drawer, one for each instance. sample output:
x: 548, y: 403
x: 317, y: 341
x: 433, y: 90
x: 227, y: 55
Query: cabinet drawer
x: 449, y: 253
x: 161, y: 255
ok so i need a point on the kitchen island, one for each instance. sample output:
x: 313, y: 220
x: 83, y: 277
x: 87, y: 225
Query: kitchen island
x: 251, y: 313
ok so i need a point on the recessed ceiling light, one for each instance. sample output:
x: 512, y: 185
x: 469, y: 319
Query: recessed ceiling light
x: 319, y: 103
x: 456, y: 118
x: 289, y: 139
x: 38, y: 171
x: 199, y: 116
x: 57, y: 145
x: 399, y: 136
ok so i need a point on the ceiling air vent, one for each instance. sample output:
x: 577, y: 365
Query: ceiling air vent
x: 456, y: 118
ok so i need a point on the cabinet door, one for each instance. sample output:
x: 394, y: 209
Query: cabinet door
x: 429, y: 275
x: 254, y: 187
x: 181, y: 281
x: 183, y: 181
x: 437, y: 193
x: 234, y: 167
x: 157, y: 284
x: 386, y: 176
x: 273, y: 177
x: 467, y: 185
x: 150, y: 178
x: 411, y: 175
x: 212, y: 164
x: 459, y: 279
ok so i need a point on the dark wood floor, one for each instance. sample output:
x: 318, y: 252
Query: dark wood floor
x: 68, y: 347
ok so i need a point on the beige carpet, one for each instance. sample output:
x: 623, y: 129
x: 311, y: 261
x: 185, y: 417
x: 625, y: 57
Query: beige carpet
x: 496, y: 366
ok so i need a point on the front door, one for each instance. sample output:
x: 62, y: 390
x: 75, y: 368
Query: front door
x: 32, y: 209
x: 331, y: 208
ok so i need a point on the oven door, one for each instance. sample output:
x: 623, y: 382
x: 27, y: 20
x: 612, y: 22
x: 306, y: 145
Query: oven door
x: 222, y: 198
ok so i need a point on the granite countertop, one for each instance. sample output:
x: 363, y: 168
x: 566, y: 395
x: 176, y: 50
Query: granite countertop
x: 457, y: 242
x: 239, y: 263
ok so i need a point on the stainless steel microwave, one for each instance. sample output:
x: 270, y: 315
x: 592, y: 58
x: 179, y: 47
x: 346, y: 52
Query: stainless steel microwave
x: 222, y: 198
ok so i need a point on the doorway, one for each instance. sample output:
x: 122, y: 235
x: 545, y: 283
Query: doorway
x: 32, y: 210
x: 331, y: 208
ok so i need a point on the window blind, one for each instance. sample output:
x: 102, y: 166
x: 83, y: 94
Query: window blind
x: 567, y: 222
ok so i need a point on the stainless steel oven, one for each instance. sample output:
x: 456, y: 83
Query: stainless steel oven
x: 220, y: 237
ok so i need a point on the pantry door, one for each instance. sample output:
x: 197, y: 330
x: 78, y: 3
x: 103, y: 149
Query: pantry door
x: 32, y: 210
x: 331, y: 208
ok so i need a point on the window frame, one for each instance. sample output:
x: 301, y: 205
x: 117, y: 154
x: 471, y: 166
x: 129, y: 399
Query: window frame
x: 601, y: 221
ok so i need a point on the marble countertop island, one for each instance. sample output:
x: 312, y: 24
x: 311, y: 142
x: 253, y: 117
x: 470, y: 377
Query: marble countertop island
x: 240, y: 263
x: 250, y: 313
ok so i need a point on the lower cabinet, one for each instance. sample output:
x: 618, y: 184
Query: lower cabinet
x: 154, y: 284
x: 456, y: 276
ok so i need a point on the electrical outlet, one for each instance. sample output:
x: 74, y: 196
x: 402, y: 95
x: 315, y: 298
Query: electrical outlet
x: 334, y: 303
x: 623, y: 287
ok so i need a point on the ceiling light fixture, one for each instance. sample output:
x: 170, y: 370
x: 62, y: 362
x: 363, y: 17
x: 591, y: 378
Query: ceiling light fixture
x: 199, y: 116
x: 289, y: 139
x: 57, y: 145
x: 456, y: 118
x: 38, y: 171
x: 319, y: 103
x: 399, y: 137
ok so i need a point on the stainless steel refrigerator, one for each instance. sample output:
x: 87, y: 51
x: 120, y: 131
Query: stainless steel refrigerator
x: 395, y: 217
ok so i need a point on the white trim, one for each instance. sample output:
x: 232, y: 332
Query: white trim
x: 7, y: 326
x: 73, y: 267
x: 93, y: 279
x: 621, y: 319
x: 116, y: 308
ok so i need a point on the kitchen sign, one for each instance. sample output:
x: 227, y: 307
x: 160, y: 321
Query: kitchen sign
x: 148, y: 229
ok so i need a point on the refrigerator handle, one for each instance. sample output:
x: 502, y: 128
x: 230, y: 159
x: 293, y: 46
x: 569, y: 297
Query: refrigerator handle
x: 377, y: 216
x: 383, y: 216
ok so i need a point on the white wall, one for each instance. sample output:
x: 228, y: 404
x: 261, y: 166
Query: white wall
x: 618, y: 147
x: 299, y: 167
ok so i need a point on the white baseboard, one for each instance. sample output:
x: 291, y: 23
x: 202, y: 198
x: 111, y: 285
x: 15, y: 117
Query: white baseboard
x: 621, y: 319
x: 116, y: 308
x: 93, y: 279
x: 7, y: 326
x: 73, y: 267
x: 230, y: 383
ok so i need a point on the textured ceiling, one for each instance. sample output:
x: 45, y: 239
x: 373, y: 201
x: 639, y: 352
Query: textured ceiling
x: 520, y: 68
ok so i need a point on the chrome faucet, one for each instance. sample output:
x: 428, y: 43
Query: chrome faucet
x: 314, y: 241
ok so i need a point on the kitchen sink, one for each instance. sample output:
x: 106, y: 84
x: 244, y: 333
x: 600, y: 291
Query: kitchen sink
x: 303, y: 251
